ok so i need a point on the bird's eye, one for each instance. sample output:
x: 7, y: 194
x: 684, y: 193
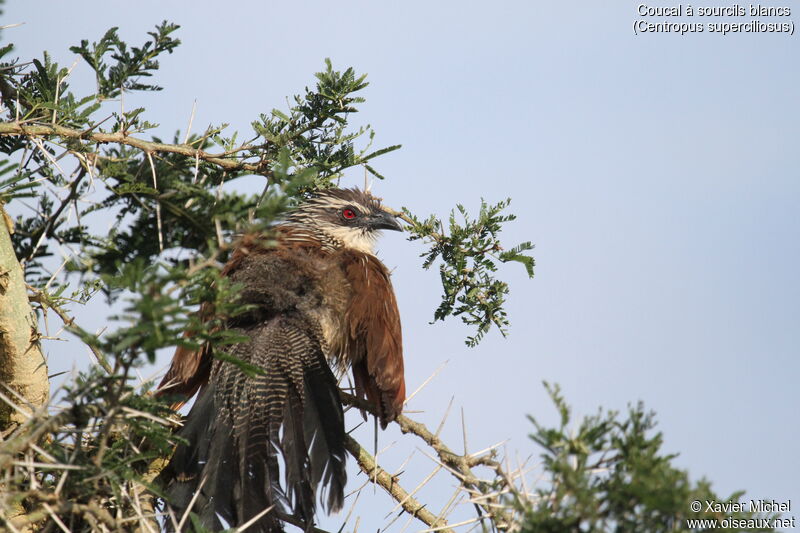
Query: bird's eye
x: 349, y: 214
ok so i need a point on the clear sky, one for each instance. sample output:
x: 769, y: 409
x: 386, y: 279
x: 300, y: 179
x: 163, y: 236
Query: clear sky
x: 657, y: 175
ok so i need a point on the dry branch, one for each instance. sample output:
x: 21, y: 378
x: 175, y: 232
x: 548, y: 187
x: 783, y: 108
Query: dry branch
x: 410, y: 504
x: 69, y: 322
x: 459, y: 465
x: 49, y: 130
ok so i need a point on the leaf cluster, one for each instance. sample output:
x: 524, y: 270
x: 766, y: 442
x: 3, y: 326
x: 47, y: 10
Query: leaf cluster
x: 315, y: 130
x: 128, y: 64
x: 467, y: 254
x: 609, y: 474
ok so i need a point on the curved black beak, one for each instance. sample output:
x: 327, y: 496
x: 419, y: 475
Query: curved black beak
x: 384, y: 220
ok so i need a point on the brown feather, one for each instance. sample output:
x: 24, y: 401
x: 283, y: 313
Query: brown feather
x: 189, y: 369
x: 376, y: 343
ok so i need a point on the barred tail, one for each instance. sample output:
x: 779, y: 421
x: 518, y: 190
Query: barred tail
x: 235, y: 439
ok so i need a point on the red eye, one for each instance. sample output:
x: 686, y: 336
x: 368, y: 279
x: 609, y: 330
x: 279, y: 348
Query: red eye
x: 349, y: 214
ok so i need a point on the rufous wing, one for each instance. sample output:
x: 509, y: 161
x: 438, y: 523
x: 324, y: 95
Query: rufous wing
x: 375, y: 346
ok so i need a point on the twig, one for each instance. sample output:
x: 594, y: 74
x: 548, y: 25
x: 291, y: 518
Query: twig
x: 464, y: 523
x: 464, y: 431
x: 458, y: 465
x: 158, y: 204
x: 191, y: 120
x: 424, y: 383
x: 50, y: 226
x: 196, y: 494
x: 451, y: 502
x: 416, y: 489
x: 55, y: 518
x: 43, y: 299
x: 444, y: 418
x: 253, y: 520
x: 289, y: 519
x: 368, y: 465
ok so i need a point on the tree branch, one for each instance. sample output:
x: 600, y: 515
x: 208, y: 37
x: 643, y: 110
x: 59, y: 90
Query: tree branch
x: 46, y: 130
x: 380, y: 476
x: 45, y: 301
x: 459, y: 465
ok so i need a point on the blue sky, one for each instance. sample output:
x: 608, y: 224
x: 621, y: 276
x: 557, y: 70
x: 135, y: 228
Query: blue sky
x: 656, y: 174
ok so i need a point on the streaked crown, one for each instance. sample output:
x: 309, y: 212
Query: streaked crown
x: 348, y: 218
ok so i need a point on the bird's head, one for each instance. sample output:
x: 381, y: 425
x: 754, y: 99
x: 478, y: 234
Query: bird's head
x: 350, y: 218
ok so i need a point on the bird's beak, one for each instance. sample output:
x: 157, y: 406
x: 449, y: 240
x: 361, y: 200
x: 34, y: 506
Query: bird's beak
x: 384, y: 220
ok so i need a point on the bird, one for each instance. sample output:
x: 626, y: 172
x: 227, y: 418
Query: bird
x: 319, y: 300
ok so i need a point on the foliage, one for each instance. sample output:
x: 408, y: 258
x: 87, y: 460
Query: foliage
x: 129, y: 65
x: 468, y: 252
x: 609, y: 474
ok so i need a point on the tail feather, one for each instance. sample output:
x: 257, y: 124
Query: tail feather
x: 241, y: 425
x: 257, y: 423
x: 324, y: 429
x: 295, y: 453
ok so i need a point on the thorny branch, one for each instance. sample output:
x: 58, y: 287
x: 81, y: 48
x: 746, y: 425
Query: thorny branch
x: 47, y: 229
x: 17, y: 128
x: 69, y: 322
x: 383, y: 478
x: 49, y: 505
x: 459, y: 465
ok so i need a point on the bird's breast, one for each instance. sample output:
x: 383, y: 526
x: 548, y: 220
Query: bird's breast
x: 331, y: 312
